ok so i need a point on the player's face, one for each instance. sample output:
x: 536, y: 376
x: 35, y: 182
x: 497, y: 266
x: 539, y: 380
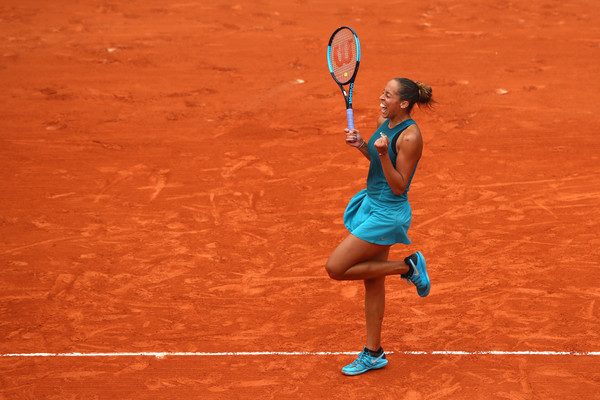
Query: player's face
x: 390, y: 102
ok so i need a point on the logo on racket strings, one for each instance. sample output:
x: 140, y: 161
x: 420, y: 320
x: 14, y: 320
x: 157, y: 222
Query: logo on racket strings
x: 342, y: 56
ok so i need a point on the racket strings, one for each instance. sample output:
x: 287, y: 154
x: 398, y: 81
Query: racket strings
x: 344, y: 55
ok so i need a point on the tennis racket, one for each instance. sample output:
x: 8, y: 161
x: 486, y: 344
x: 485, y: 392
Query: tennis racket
x: 343, y: 59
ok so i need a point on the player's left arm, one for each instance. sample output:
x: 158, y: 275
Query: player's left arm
x: 409, y: 147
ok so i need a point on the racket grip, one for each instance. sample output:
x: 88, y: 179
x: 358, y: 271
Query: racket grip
x: 350, y: 117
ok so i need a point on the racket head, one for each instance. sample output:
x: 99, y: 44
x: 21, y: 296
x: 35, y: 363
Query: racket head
x: 343, y: 55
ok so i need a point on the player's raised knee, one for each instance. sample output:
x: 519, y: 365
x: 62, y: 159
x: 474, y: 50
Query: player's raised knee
x: 334, y: 271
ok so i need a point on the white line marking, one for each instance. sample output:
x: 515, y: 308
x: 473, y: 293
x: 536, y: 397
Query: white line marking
x: 302, y: 353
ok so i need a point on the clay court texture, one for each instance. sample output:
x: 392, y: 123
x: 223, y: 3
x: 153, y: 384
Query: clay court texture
x: 174, y: 174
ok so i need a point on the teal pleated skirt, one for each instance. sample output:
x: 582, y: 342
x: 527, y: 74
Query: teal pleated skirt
x: 378, y: 222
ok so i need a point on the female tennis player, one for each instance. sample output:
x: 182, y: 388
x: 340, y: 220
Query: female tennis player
x: 379, y: 216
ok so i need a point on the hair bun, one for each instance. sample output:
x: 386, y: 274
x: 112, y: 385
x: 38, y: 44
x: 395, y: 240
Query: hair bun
x: 425, y: 92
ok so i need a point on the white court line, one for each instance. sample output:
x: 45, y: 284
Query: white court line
x: 298, y: 353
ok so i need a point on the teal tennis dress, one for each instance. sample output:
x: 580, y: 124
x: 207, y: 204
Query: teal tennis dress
x: 376, y: 214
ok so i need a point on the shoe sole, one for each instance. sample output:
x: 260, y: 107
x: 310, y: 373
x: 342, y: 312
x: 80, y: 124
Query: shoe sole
x: 424, y: 272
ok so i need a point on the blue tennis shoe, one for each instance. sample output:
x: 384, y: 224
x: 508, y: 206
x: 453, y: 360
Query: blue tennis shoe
x: 419, y: 276
x: 364, y: 363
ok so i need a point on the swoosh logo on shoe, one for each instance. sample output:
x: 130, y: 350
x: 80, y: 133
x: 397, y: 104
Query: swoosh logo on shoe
x: 415, y: 269
x: 374, y: 360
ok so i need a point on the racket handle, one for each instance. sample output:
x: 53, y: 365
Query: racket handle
x: 350, y: 117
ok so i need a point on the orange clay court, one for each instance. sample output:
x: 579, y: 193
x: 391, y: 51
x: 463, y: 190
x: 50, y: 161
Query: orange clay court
x: 174, y: 176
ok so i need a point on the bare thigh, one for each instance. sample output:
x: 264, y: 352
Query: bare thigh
x: 352, y: 251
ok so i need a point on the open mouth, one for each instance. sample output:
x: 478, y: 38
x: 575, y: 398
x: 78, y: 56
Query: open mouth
x: 383, y: 108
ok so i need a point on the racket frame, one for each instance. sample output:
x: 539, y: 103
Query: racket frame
x: 350, y: 82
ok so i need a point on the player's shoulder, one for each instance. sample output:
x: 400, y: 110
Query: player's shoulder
x: 412, y: 131
x: 380, y: 120
x: 410, y: 138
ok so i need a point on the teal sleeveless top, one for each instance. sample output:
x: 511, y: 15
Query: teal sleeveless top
x: 377, y: 186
